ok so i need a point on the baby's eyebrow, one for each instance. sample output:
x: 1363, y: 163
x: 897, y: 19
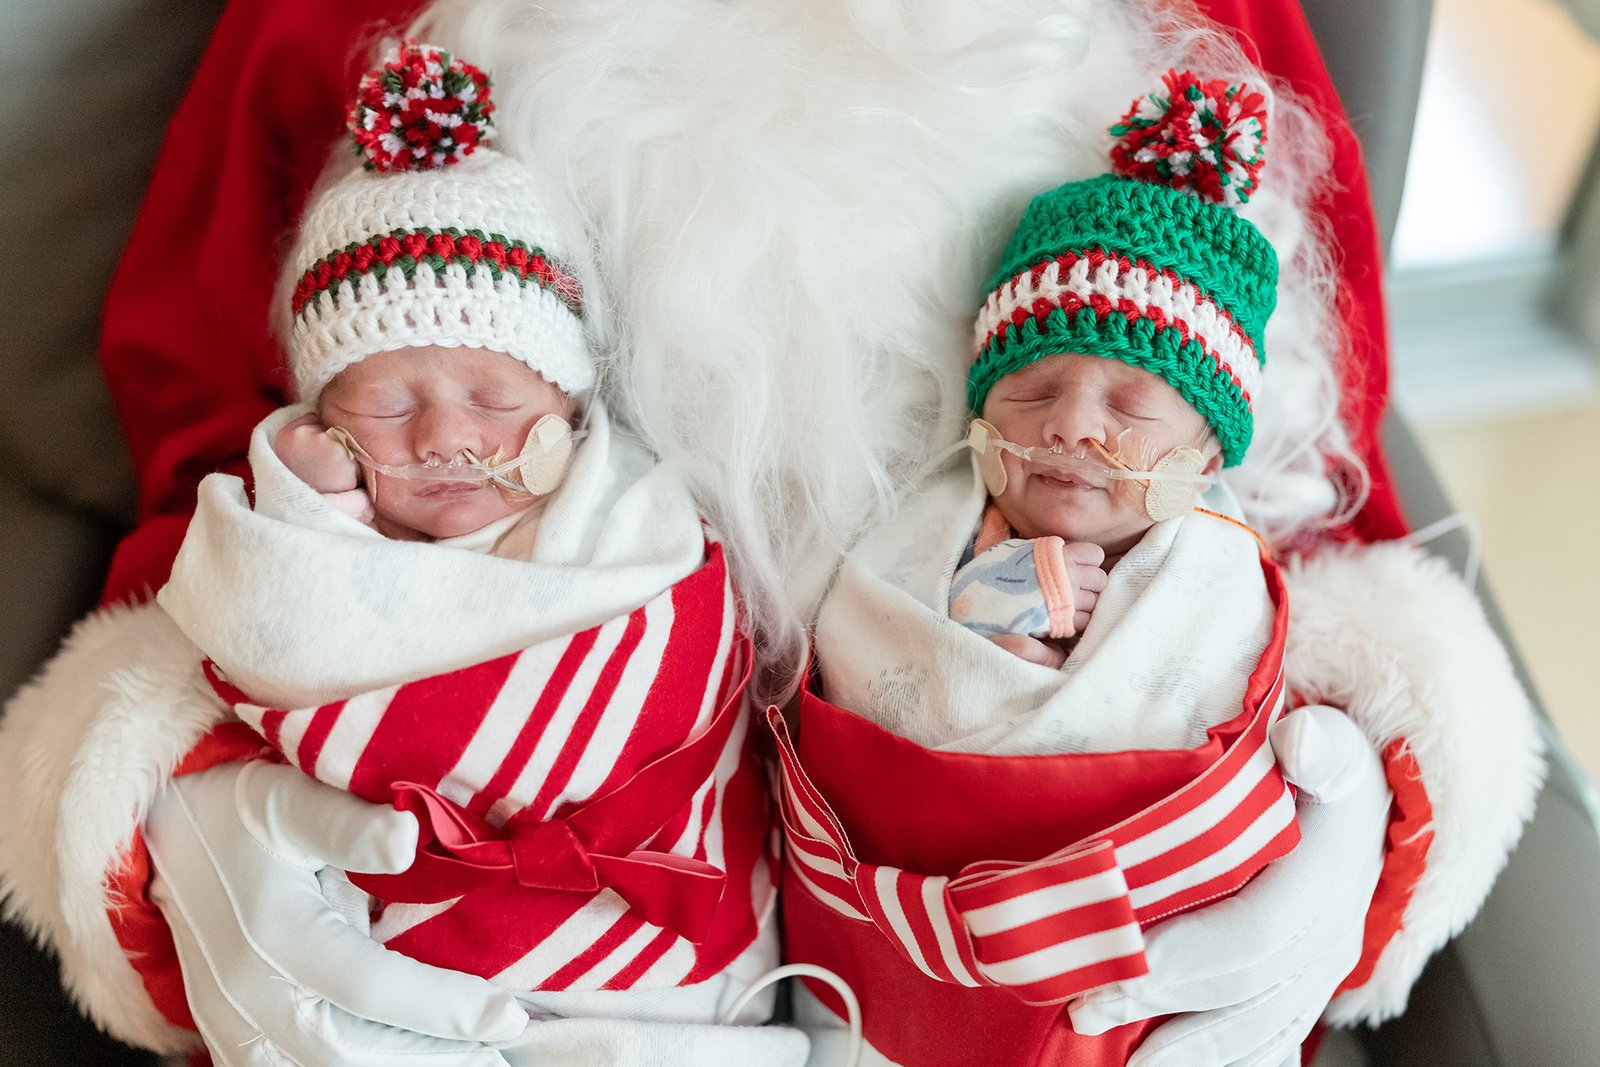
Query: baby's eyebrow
x: 1028, y: 375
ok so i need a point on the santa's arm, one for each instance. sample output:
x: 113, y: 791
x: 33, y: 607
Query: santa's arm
x: 1394, y: 637
x: 191, y: 367
x: 83, y: 749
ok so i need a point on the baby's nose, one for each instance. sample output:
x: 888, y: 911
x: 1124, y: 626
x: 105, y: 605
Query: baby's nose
x: 1074, y: 420
x: 445, y: 431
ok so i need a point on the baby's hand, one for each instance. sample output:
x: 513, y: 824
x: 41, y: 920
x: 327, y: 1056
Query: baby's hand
x: 315, y: 458
x: 323, y: 464
x: 1045, y: 653
x: 1083, y: 560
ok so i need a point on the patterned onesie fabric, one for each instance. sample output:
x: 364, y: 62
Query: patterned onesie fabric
x: 1018, y: 586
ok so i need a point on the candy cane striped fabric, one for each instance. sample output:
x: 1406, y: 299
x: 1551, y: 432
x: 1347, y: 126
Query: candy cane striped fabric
x: 1049, y: 929
x: 527, y: 736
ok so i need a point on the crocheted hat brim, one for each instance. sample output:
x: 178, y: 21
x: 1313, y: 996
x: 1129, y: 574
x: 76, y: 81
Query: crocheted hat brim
x: 1162, y: 350
x: 361, y: 316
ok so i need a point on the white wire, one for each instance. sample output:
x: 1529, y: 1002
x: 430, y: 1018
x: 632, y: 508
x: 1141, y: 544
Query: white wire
x: 852, y: 1006
x: 1468, y: 525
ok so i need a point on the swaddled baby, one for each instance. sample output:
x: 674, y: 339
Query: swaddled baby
x: 442, y: 598
x: 1063, y: 513
x: 1073, y: 667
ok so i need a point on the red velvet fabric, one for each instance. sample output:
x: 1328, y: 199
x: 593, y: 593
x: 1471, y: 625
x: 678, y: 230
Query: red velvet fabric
x: 186, y: 348
x: 1405, y: 858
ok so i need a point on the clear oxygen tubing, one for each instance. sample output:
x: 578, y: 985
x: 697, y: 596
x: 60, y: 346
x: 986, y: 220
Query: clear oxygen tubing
x: 1171, y: 484
x: 465, y: 466
x: 1168, y: 484
x: 1093, y: 462
x: 852, y: 1006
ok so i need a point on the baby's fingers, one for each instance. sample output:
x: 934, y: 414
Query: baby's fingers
x: 1084, y: 553
x: 1086, y: 600
x: 354, y: 503
x: 315, y: 458
x: 1083, y: 607
x: 1090, y: 580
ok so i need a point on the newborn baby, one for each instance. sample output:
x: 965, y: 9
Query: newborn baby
x: 1033, y: 592
x: 402, y: 408
x: 434, y: 600
x: 1076, y: 666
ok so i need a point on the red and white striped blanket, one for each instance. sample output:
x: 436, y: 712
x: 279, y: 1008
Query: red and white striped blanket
x: 594, y: 813
x: 1052, y: 927
x: 1004, y: 828
x: 570, y: 729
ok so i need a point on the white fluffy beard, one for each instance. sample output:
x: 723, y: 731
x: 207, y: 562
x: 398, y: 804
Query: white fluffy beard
x: 793, y: 211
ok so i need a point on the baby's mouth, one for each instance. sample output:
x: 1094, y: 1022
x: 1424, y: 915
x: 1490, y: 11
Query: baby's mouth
x: 451, y: 489
x: 1064, y: 481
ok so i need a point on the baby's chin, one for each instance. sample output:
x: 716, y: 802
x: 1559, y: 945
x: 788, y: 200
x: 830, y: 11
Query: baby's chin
x: 1114, y: 533
x: 439, y: 520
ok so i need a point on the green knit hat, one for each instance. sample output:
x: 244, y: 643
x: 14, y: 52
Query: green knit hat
x: 1150, y: 264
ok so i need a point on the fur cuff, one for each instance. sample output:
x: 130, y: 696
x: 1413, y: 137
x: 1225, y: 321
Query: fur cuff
x: 84, y: 747
x: 1393, y: 636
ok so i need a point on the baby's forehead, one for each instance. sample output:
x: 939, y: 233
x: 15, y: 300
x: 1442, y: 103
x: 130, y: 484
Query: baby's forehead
x: 1077, y: 370
x: 436, y: 365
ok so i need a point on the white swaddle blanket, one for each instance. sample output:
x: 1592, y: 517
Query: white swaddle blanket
x: 301, y: 604
x: 1167, y: 653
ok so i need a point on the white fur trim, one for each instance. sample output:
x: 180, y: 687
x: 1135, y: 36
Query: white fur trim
x: 1393, y: 636
x: 84, y: 747
x: 794, y: 211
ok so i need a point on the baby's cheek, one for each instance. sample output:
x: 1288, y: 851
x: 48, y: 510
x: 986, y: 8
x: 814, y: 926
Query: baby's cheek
x: 1012, y: 507
x: 388, y: 494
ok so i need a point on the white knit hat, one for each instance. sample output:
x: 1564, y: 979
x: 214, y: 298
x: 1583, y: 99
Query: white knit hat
x: 437, y: 241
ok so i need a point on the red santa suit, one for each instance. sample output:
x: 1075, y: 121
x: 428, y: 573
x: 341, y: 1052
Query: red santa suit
x: 192, y: 367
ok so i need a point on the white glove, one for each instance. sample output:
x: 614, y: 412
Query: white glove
x: 623, y: 1043
x: 1249, y: 976
x: 273, y: 975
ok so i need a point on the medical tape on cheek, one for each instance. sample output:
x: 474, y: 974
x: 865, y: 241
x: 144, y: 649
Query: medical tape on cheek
x: 1170, y: 484
x: 986, y: 442
x: 364, y: 462
x: 537, y: 468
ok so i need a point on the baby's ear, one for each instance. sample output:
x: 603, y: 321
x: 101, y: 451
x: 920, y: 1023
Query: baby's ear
x: 1207, y: 445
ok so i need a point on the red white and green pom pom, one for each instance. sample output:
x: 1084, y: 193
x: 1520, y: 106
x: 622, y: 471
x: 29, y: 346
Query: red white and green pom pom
x: 1202, y: 137
x: 422, y: 109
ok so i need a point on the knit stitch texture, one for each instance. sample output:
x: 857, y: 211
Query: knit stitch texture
x: 1178, y: 287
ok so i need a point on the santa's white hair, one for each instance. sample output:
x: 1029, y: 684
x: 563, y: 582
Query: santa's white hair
x: 792, y: 212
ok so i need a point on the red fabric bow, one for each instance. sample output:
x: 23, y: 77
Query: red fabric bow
x: 461, y: 852
x: 594, y: 847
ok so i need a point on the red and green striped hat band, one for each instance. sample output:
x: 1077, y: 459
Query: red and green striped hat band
x: 1142, y: 273
x: 464, y: 256
x: 437, y: 286
x: 404, y: 250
